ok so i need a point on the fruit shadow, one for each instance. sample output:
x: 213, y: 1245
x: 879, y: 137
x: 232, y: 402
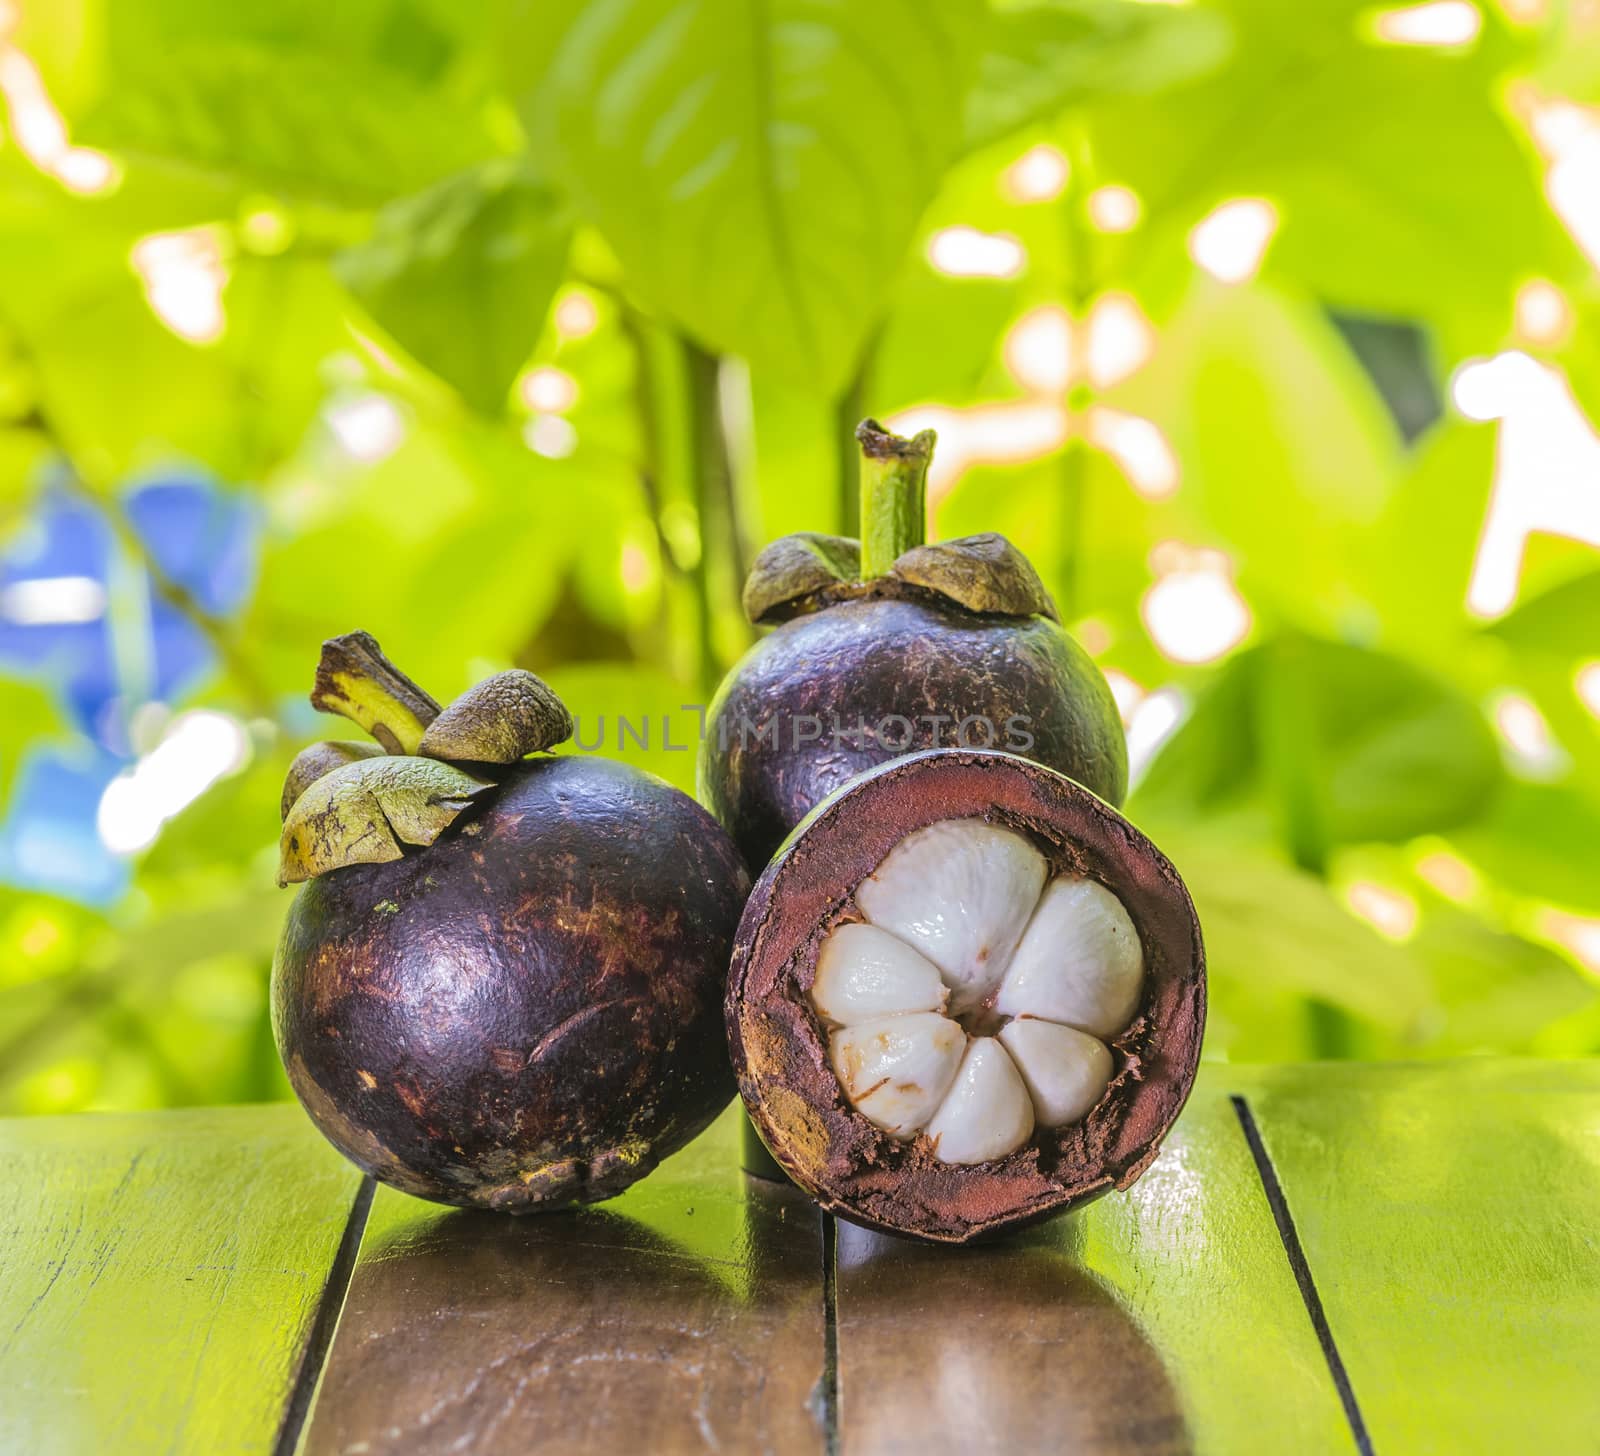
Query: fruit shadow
x: 594, y: 1329
x: 1009, y: 1345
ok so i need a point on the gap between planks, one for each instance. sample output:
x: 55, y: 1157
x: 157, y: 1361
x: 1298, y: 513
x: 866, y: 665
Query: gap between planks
x: 829, y: 1389
x: 1301, y: 1268
x: 329, y: 1307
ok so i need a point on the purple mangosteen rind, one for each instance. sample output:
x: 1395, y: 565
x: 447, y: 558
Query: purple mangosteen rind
x: 501, y: 985
x: 958, y: 640
x: 897, y: 662
x: 526, y: 1013
x: 779, y: 1044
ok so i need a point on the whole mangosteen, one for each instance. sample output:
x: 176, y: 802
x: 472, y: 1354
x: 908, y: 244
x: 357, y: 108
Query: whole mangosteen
x: 502, y: 985
x: 967, y: 994
x: 886, y: 646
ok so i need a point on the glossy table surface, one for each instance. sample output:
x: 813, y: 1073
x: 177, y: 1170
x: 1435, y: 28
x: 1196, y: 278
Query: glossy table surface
x: 1324, y: 1258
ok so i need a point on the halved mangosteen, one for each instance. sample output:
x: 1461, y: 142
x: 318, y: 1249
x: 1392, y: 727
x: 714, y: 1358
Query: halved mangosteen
x: 966, y: 995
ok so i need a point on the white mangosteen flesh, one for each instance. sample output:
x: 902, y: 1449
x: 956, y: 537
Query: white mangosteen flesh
x: 974, y: 1001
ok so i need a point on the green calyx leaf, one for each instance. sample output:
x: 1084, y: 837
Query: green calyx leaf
x: 501, y: 719
x: 311, y: 763
x: 983, y: 573
x: 362, y: 812
x: 355, y: 680
x: 794, y: 568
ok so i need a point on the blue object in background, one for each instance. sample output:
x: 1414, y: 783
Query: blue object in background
x: 202, y: 537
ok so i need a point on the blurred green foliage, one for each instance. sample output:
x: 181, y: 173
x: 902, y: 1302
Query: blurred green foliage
x: 538, y: 317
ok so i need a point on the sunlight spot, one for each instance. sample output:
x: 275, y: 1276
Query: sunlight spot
x: 183, y: 276
x: 638, y: 571
x: 1547, y: 468
x: 1093, y: 635
x: 1155, y: 720
x: 266, y: 229
x: 1524, y: 12
x: 550, y: 436
x: 984, y: 434
x: 86, y: 171
x: 41, y: 134
x: 1121, y: 339
x: 1586, y: 683
x: 576, y: 316
x: 1038, y: 350
x: 964, y: 252
x: 199, y: 748
x: 368, y: 427
x: 1127, y: 692
x: 1534, y: 752
x: 53, y: 601
x: 1039, y: 175
x: 1115, y: 209
x: 1390, y: 912
x: 1568, y: 137
x: 41, y: 936
x: 1439, y: 23
x: 1193, y: 612
x: 552, y: 391
x: 1542, y: 312
x: 1449, y: 874
x: 1230, y: 241
x: 1580, y: 934
x: 1138, y: 447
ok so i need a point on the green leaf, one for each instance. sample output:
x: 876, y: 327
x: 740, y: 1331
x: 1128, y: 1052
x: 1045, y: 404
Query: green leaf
x: 758, y: 170
x: 462, y: 274
x: 1287, y: 453
x: 349, y: 103
x: 1044, y: 56
x: 1383, y: 751
x: 1539, y: 841
x: 1563, y: 621
x: 1496, y: 991
x: 1269, y: 925
x: 1392, y: 168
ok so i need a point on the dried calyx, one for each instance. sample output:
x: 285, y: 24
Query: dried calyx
x: 347, y: 803
x: 974, y: 999
x: 983, y: 574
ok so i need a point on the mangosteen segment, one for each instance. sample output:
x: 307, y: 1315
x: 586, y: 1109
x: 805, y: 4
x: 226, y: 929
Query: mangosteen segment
x: 1035, y: 974
x: 966, y: 994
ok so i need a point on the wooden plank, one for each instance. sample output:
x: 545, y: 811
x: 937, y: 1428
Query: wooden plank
x: 1448, y: 1215
x: 1165, y: 1319
x: 686, y: 1315
x: 159, y: 1274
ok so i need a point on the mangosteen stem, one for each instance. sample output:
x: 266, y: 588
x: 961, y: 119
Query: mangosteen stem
x: 355, y: 680
x: 894, y: 495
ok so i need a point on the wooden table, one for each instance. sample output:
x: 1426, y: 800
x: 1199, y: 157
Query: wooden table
x: 1324, y: 1258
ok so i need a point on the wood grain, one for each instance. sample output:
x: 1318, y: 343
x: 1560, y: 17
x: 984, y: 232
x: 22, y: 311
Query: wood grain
x: 1449, y: 1216
x: 158, y: 1276
x: 686, y: 1315
x: 1162, y: 1320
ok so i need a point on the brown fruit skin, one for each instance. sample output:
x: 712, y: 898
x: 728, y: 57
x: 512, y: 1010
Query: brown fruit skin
x: 897, y: 654
x: 527, y: 1013
x: 780, y: 1049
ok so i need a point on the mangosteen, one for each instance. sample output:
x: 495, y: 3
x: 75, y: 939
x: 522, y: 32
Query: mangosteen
x: 889, y: 645
x: 967, y: 994
x: 502, y: 985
